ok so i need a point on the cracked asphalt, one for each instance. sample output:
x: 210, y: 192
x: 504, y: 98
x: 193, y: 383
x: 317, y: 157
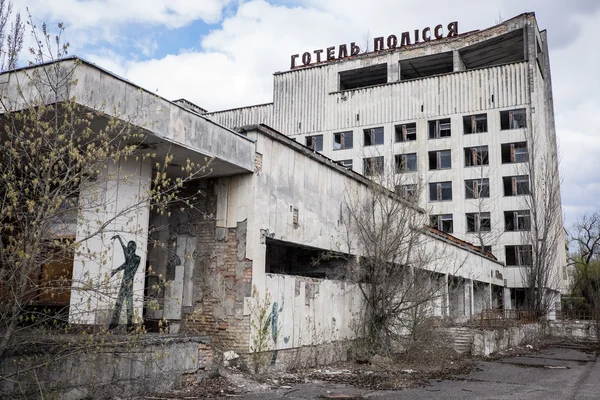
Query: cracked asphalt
x: 559, y: 372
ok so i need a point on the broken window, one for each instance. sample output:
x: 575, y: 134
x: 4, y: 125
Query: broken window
x: 363, y: 77
x: 441, y: 159
x: 479, y: 222
x: 476, y: 156
x: 372, y: 166
x: 516, y: 185
x: 406, y: 132
x: 315, y: 142
x: 408, y: 191
x: 346, y: 163
x: 373, y: 136
x: 342, y: 140
x: 477, y: 188
x: 513, y: 119
x: 519, y: 220
x: 406, y: 162
x: 440, y: 128
x: 440, y: 191
x: 442, y: 222
x: 514, y: 152
x: 475, y: 123
x: 518, y: 255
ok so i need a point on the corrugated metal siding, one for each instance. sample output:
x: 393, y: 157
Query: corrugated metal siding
x: 239, y: 117
x: 303, y: 102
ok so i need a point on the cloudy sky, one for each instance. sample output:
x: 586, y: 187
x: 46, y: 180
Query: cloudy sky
x: 222, y: 53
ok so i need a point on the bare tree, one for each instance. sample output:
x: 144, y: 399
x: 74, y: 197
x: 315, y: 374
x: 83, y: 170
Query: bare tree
x: 398, y: 270
x: 585, y: 263
x: 11, y: 36
x: 539, y: 254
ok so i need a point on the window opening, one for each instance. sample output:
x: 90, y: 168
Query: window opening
x: 441, y: 159
x: 342, y: 140
x: 406, y: 132
x: 513, y: 119
x: 373, y: 136
x: 406, y: 162
x: 475, y: 124
x: 440, y: 128
x: 477, y: 188
x: 440, y: 191
x: 476, y: 156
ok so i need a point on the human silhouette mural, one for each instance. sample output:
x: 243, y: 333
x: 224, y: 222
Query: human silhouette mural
x: 129, y: 268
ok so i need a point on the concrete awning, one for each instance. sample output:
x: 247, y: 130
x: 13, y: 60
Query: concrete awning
x: 169, y: 126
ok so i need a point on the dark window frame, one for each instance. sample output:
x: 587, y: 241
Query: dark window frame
x: 405, y: 132
x: 517, y: 220
x: 436, y: 157
x: 373, y: 136
x: 440, y: 128
x: 479, y: 222
x: 513, y: 153
x: 439, y: 188
x: 477, y: 188
x: 345, y: 140
x: 513, y: 119
x: 477, y: 156
x: 315, y: 142
x: 442, y: 222
x: 518, y: 255
x: 475, y: 124
x: 373, y: 165
x: 517, y: 185
x: 406, y: 162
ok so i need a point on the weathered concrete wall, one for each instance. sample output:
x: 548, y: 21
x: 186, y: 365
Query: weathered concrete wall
x: 115, y: 367
x: 492, y: 341
x: 577, y: 330
x: 118, y: 198
x: 308, y: 311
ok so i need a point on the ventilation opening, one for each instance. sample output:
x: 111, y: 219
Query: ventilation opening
x: 363, y: 77
x: 426, y: 66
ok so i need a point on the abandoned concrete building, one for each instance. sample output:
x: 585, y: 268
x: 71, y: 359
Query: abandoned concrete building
x: 456, y: 116
x: 265, y: 217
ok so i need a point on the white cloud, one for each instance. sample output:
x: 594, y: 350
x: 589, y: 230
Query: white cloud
x: 93, y: 13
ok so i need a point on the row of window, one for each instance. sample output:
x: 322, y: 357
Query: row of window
x: 517, y: 220
x: 442, y: 159
x: 480, y: 188
x: 474, y: 188
x: 513, y: 119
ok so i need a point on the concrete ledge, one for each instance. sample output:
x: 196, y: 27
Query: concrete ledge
x: 76, y: 367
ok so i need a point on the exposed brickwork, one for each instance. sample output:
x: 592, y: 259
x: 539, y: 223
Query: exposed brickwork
x: 258, y: 161
x: 222, y: 276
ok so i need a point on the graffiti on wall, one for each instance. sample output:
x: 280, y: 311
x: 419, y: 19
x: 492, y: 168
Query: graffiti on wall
x: 129, y: 268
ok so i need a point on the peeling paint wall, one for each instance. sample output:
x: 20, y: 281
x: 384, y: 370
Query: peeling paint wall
x: 313, y: 311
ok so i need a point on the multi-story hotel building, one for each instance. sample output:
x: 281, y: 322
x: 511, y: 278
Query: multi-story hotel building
x: 457, y: 115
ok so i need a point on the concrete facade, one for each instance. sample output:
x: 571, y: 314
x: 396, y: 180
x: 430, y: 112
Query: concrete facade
x: 485, y: 74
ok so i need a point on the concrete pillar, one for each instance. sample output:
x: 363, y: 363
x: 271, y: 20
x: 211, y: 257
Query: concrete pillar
x: 469, y: 293
x: 507, y: 303
x: 114, y: 204
x: 446, y: 299
x: 490, y: 296
x: 393, y: 72
x: 459, y: 64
